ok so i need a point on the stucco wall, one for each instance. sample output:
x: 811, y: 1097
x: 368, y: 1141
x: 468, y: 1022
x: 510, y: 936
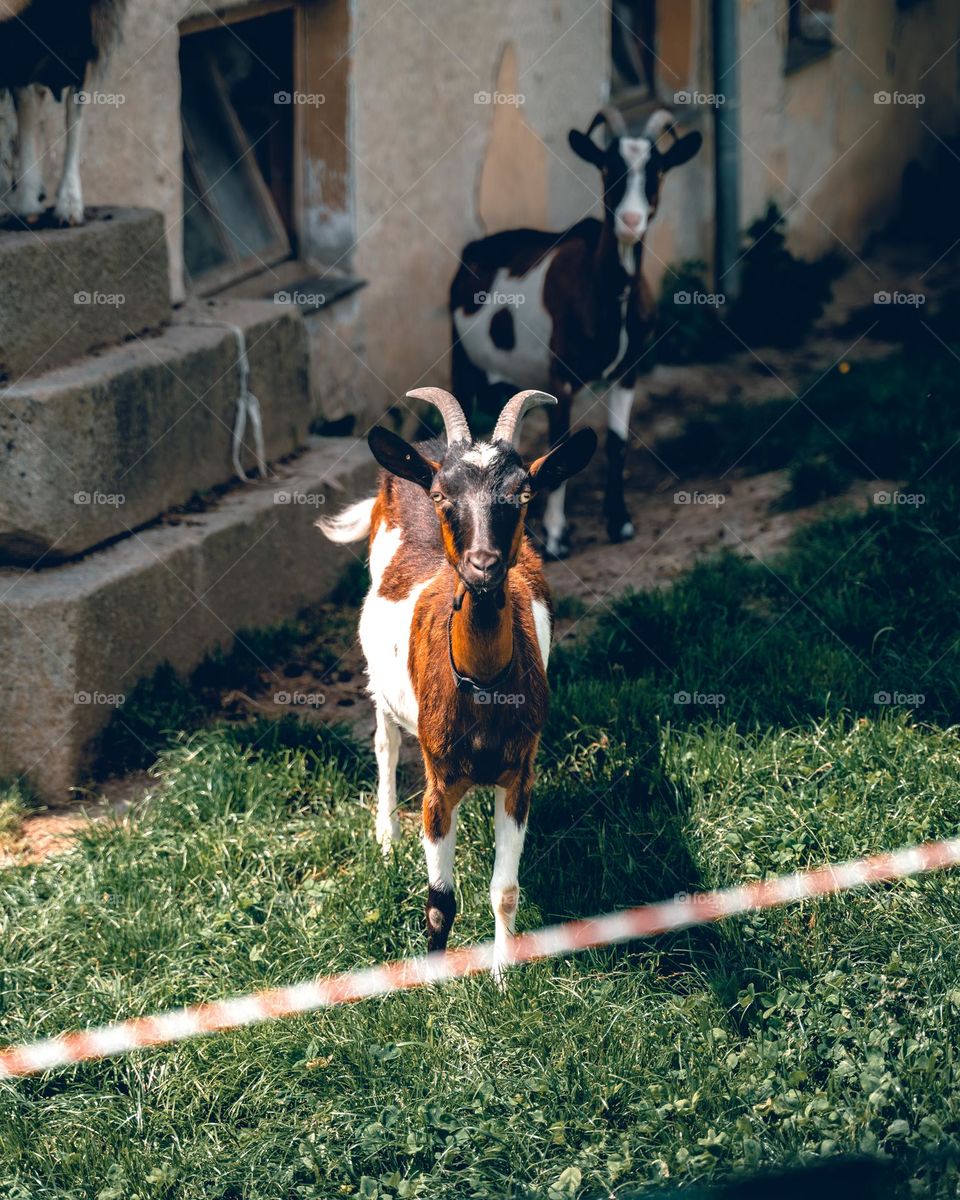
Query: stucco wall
x: 418, y: 139
x: 818, y: 134
x: 430, y: 165
x: 421, y: 137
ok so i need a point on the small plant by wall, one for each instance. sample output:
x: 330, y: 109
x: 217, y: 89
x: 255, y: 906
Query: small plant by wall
x: 780, y: 296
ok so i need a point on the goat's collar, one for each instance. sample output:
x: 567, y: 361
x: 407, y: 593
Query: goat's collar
x: 463, y: 682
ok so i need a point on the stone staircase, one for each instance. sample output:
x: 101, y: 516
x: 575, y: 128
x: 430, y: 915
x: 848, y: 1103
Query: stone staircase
x: 126, y: 539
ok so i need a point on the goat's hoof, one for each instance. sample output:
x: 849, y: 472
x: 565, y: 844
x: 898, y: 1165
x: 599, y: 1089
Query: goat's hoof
x: 68, y: 211
x: 620, y: 531
x: 556, y: 547
x: 387, y: 835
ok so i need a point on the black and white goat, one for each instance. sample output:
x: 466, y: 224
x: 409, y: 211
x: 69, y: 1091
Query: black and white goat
x: 558, y: 311
x: 54, y: 44
x: 456, y: 631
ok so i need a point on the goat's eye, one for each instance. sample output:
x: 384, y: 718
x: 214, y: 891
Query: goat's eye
x: 524, y: 497
x: 437, y: 497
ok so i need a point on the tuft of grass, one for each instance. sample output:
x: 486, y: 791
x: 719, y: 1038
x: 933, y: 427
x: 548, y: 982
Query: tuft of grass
x: 690, y: 329
x: 780, y: 295
x: 13, y: 808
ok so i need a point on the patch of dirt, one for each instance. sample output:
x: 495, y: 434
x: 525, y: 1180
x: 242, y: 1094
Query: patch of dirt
x: 52, y: 830
x: 680, y: 524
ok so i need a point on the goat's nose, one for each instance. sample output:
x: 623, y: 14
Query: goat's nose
x: 483, y: 561
x: 631, y: 220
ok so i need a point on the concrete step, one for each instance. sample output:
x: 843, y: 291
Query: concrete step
x: 92, y: 450
x: 64, y: 292
x: 76, y: 638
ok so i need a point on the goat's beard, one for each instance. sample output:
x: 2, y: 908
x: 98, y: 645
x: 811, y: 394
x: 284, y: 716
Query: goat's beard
x: 495, y: 592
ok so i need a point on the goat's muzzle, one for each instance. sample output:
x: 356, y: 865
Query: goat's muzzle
x: 482, y: 570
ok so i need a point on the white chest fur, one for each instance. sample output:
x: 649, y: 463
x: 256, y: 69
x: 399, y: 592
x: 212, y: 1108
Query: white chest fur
x: 385, y: 637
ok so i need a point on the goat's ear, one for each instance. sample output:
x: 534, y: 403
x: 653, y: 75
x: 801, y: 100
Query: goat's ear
x: 400, y: 458
x: 682, y: 150
x: 565, y: 460
x: 585, y: 147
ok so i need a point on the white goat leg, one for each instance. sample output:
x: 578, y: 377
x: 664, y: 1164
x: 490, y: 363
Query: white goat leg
x: 504, y: 885
x: 555, y: 522
x: 29, y: 189
x: 69, y: 206
x: 387, y: 746
x: 441, y: 902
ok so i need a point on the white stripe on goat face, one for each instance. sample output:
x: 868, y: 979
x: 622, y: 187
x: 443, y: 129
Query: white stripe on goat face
x: 632, y: 214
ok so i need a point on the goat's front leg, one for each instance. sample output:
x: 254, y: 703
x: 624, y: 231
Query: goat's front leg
x: 554, y: 515
x: 512, y: 804
x: 440, y: 845
x: 69, y: 205
x: 386, y: 744
x: 29, y: 197
x: 619, y: 406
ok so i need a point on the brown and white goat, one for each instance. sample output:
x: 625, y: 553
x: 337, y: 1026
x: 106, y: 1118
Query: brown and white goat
x: 456, y: 633
x: 558, y: 311
x: 50, y: 43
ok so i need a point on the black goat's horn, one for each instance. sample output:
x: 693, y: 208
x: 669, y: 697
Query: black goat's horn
x: 613, y: 119
x: 507, y: 428
x: 454, y: 422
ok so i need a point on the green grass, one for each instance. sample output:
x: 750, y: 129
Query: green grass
x: 888, y: 419
x: 13, y: 808
x: 788, y: 1036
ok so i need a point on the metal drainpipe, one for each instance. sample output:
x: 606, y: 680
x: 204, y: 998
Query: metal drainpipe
x: 726, y: 83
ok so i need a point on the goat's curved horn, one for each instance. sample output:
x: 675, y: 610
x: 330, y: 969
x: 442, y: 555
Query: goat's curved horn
x: 454, y: 422
x: 613, y: 119
x: 507, y: 428
x: 660, y: 122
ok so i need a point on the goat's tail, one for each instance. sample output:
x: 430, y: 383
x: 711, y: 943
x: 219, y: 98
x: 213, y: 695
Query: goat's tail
x: 350, y: 525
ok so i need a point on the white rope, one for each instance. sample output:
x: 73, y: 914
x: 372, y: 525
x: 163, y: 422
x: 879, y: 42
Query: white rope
x: 248, y: 406
x: 682, y: 912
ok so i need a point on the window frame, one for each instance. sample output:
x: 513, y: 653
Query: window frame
x: 284, y: 247
x: 800, y: 50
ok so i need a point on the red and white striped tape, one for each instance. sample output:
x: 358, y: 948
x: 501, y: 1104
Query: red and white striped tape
x: 680, y: 913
